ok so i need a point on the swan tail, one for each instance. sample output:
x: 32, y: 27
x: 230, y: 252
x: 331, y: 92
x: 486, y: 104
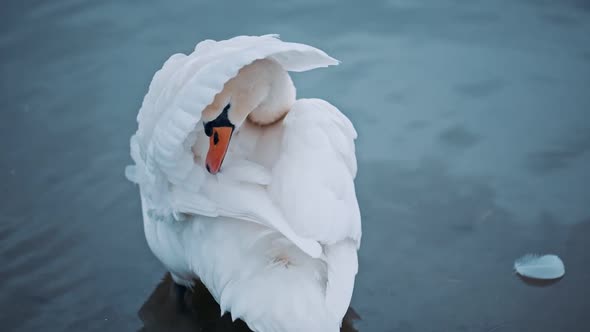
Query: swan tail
x: 285, y: 293
x: 266, y: 281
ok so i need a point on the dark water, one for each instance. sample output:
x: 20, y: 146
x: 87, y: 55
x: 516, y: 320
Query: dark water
x: 473, y: 150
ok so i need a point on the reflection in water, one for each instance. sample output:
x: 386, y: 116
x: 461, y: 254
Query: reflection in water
x: 538, y: 282
x: 160, y: 312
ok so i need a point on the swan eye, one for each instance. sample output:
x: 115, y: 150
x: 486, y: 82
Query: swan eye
x: 215, y: 138
x: 226, y: 108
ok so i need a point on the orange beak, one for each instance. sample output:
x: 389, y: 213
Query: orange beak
x: 218, y: 144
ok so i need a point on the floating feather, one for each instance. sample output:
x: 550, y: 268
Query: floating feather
x: 540, y: 267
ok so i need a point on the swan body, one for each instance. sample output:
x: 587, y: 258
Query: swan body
x: 247, y: 188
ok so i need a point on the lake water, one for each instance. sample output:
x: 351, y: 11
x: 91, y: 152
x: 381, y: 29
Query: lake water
x: 473, y: 149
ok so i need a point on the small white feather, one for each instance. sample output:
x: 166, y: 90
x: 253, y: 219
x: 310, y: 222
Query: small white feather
x: 540, y: 267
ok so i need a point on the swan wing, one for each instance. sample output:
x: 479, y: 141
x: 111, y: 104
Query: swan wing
x: 313, y: 184
x: 313, y: 180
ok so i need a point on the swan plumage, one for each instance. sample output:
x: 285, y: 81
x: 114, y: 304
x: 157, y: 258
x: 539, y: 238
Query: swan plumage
x: 274, y: 235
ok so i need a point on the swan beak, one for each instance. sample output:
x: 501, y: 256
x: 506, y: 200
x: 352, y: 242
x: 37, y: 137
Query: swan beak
x: 218, y: 144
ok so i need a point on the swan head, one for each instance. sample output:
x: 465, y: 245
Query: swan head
x: 261, y: 93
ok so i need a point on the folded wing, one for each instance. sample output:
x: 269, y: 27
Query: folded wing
x: 313, y: 180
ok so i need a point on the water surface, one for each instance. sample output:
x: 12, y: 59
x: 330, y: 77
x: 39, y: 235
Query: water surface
x: 473, y: 149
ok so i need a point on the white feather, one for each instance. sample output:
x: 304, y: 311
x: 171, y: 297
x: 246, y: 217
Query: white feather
x: 280, y: 225
x: 540, y: 267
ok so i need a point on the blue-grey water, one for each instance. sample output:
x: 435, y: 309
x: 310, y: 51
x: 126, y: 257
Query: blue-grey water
x: 474, y: 149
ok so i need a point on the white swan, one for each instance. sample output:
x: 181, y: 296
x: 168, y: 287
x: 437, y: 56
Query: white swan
x: 273, y: 229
